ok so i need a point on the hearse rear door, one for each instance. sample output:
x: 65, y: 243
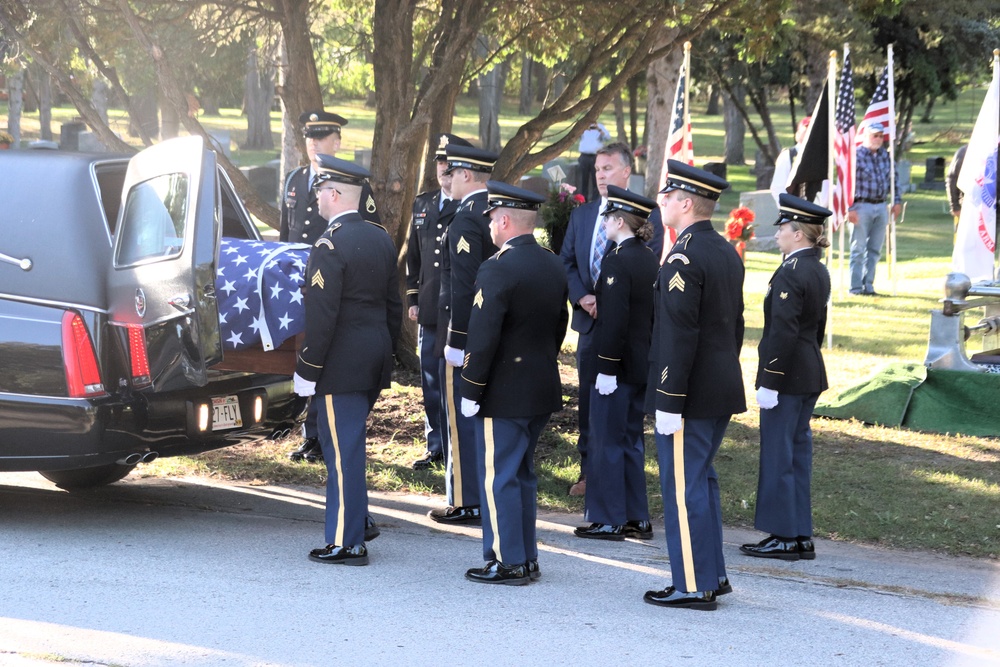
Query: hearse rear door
x: 161, y: 287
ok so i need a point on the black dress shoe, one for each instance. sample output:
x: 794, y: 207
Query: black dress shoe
x: 807, y: 550
x: 671, y: 597
x: 331, y: 553
x: 642, y: 530
x: 430, y: 458
x: 773, y: 547
x: 724, y: 587
x: 371, y: 529
x: 305, y: 447
x: 496, y: 572
x: 601, y: 531
x: 457, y: 515
x: 533, y: 572
x: 315, y: 456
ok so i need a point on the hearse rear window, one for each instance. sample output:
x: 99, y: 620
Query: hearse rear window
x: 153, y: 225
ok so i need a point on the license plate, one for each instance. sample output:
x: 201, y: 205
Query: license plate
x: 226, y: 413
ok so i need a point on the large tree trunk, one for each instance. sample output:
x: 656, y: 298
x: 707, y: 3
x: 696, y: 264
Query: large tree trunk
x: 170, y: 122
x: 99, y: 98
x: 620, y: 118
x: 713, y: 101
x: 735, y: 126
x: 43, y: 86
x: 633, y: 111
x: 292, y: 147
x: 542, y: 75
x: 15, y: 104
x: 299, y: 89
x: 143, y: 118
x: 524, y: 103
x: 257, y: 102
x: 661, y: 87
x: 491, y: 87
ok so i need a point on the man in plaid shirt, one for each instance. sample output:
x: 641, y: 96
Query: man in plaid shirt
x: 873, y: 183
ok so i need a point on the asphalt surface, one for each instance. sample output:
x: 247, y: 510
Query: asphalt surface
x: 194, y: 572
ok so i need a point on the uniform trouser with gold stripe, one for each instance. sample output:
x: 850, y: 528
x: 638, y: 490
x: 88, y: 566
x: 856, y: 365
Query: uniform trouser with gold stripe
x: 616, y: 458
x: 462, y: 479
x: 784, y: 505
x: 692, y: 513
x: 510, y: 487
x: 341, y: 423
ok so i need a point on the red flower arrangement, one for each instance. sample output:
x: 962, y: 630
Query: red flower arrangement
x: 739, y: 226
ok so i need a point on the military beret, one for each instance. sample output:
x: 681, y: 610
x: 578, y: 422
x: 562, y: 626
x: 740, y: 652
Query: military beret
x: 442, y: 153
x: 503, y: 195
x: 620, y: 199
x: 468, y: 157
x: 319, y: 124
x: 340, y: 171
x: 697, y: 181
x: 796, y: 209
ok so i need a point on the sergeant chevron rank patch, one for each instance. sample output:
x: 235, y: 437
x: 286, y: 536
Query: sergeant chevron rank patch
x: 317, y: 280
x: 478, y: 300
x: 676, y: 283
x: 462, y: 245
x: 370, y: 204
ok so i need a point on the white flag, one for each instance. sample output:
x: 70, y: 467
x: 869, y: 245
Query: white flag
x: 975, y: 241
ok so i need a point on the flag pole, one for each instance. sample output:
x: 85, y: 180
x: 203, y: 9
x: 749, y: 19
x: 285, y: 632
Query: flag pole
x: 831, y: 131
x: 843, y: 223
x: 996, y: 204
x: 892, y: 172
x: 689, y: 156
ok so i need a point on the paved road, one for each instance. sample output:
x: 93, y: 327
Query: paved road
x: 193, y: 572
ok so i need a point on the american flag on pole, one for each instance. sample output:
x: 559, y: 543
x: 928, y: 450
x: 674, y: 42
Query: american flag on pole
x: 843, y: 145
x: 679, y: 144
x: 881, y: 109
x: 258, y: 284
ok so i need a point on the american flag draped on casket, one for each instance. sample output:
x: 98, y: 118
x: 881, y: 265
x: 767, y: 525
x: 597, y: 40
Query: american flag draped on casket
x: 258, y: 284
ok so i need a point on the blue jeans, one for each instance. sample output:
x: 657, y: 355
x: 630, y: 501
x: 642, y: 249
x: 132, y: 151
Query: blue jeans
x: 866, y: 245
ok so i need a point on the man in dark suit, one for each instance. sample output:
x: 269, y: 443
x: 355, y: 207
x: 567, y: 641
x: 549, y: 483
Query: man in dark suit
x: 432, y: 213
x: 511, y: 380
x: 469, y: 245
x: 302, y: 222
x: 695, y: 383
x: 582, y: 252
x: 353, y: 318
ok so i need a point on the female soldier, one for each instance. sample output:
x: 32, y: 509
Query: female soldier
x: 616, y: 481
x: 790, y: 377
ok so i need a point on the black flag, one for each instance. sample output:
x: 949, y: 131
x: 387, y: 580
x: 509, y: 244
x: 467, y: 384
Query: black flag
x: 812, y: 164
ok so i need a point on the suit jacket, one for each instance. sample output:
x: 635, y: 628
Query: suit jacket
x: 625, y: 309
x: 694, y: 365
x: 469, y: 245
x: 353, y: 309
x: 424, y: 254
x: 575, y: 255
x: 790, y: 360
x: 300, y: 218
x: 516, y: 328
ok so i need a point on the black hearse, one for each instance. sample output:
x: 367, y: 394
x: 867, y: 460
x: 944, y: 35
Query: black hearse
x: 110, y: 353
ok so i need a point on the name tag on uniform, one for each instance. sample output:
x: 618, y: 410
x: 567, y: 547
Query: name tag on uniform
x: 420, y: 220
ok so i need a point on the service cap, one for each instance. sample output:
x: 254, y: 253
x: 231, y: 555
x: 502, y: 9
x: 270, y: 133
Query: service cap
x: 697, y: 181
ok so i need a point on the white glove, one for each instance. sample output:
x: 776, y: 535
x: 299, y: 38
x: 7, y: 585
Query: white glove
x: 469, y: 407
x: 302, y: 386
x: 668, y: 423
x: 454, y: 357
x: 606, y: 384
x: 767, y: 398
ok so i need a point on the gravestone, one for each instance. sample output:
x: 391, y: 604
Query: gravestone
x: 536, y: 184
x: 69, y: 135
x: 765, y: 211
x: 933, y: 174
x: 363, y: 157
x: 264, y: 179
x: 87, y: 143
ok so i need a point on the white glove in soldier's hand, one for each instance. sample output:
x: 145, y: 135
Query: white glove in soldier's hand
x: 606, y: 384
x: 303, y: 387
x: 454, y: 357
x: 667, y: 423
x: 767, y: 398
x: 469, y: 407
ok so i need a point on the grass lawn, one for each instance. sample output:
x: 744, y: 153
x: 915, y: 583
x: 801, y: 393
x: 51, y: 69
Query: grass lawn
x: 877, y: 485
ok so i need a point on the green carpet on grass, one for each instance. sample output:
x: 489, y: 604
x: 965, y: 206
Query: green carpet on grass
x: 881, y: 399
x: 914, y: 397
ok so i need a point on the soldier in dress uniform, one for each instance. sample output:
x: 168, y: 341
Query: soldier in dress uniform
x: 432, y: 213
x: 790, y: 377
x: 510, y: 382
x: 468, y: 245
x: 695, y: 383
x: 353, y: 317
x: 616, y: 503
x: 301, y: 221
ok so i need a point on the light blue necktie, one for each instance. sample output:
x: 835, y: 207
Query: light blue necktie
x: 600, y: 244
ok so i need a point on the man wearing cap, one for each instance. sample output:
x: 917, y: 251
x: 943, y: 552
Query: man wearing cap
x: 790, y: 378
x: 582, y: 252
x: 353, y: 318
x: 510, y: 382
x: 873, y: 181
x: 468, y: 245
x: 695, y: 383
x: 302, y: 222
x: 432, y: 213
